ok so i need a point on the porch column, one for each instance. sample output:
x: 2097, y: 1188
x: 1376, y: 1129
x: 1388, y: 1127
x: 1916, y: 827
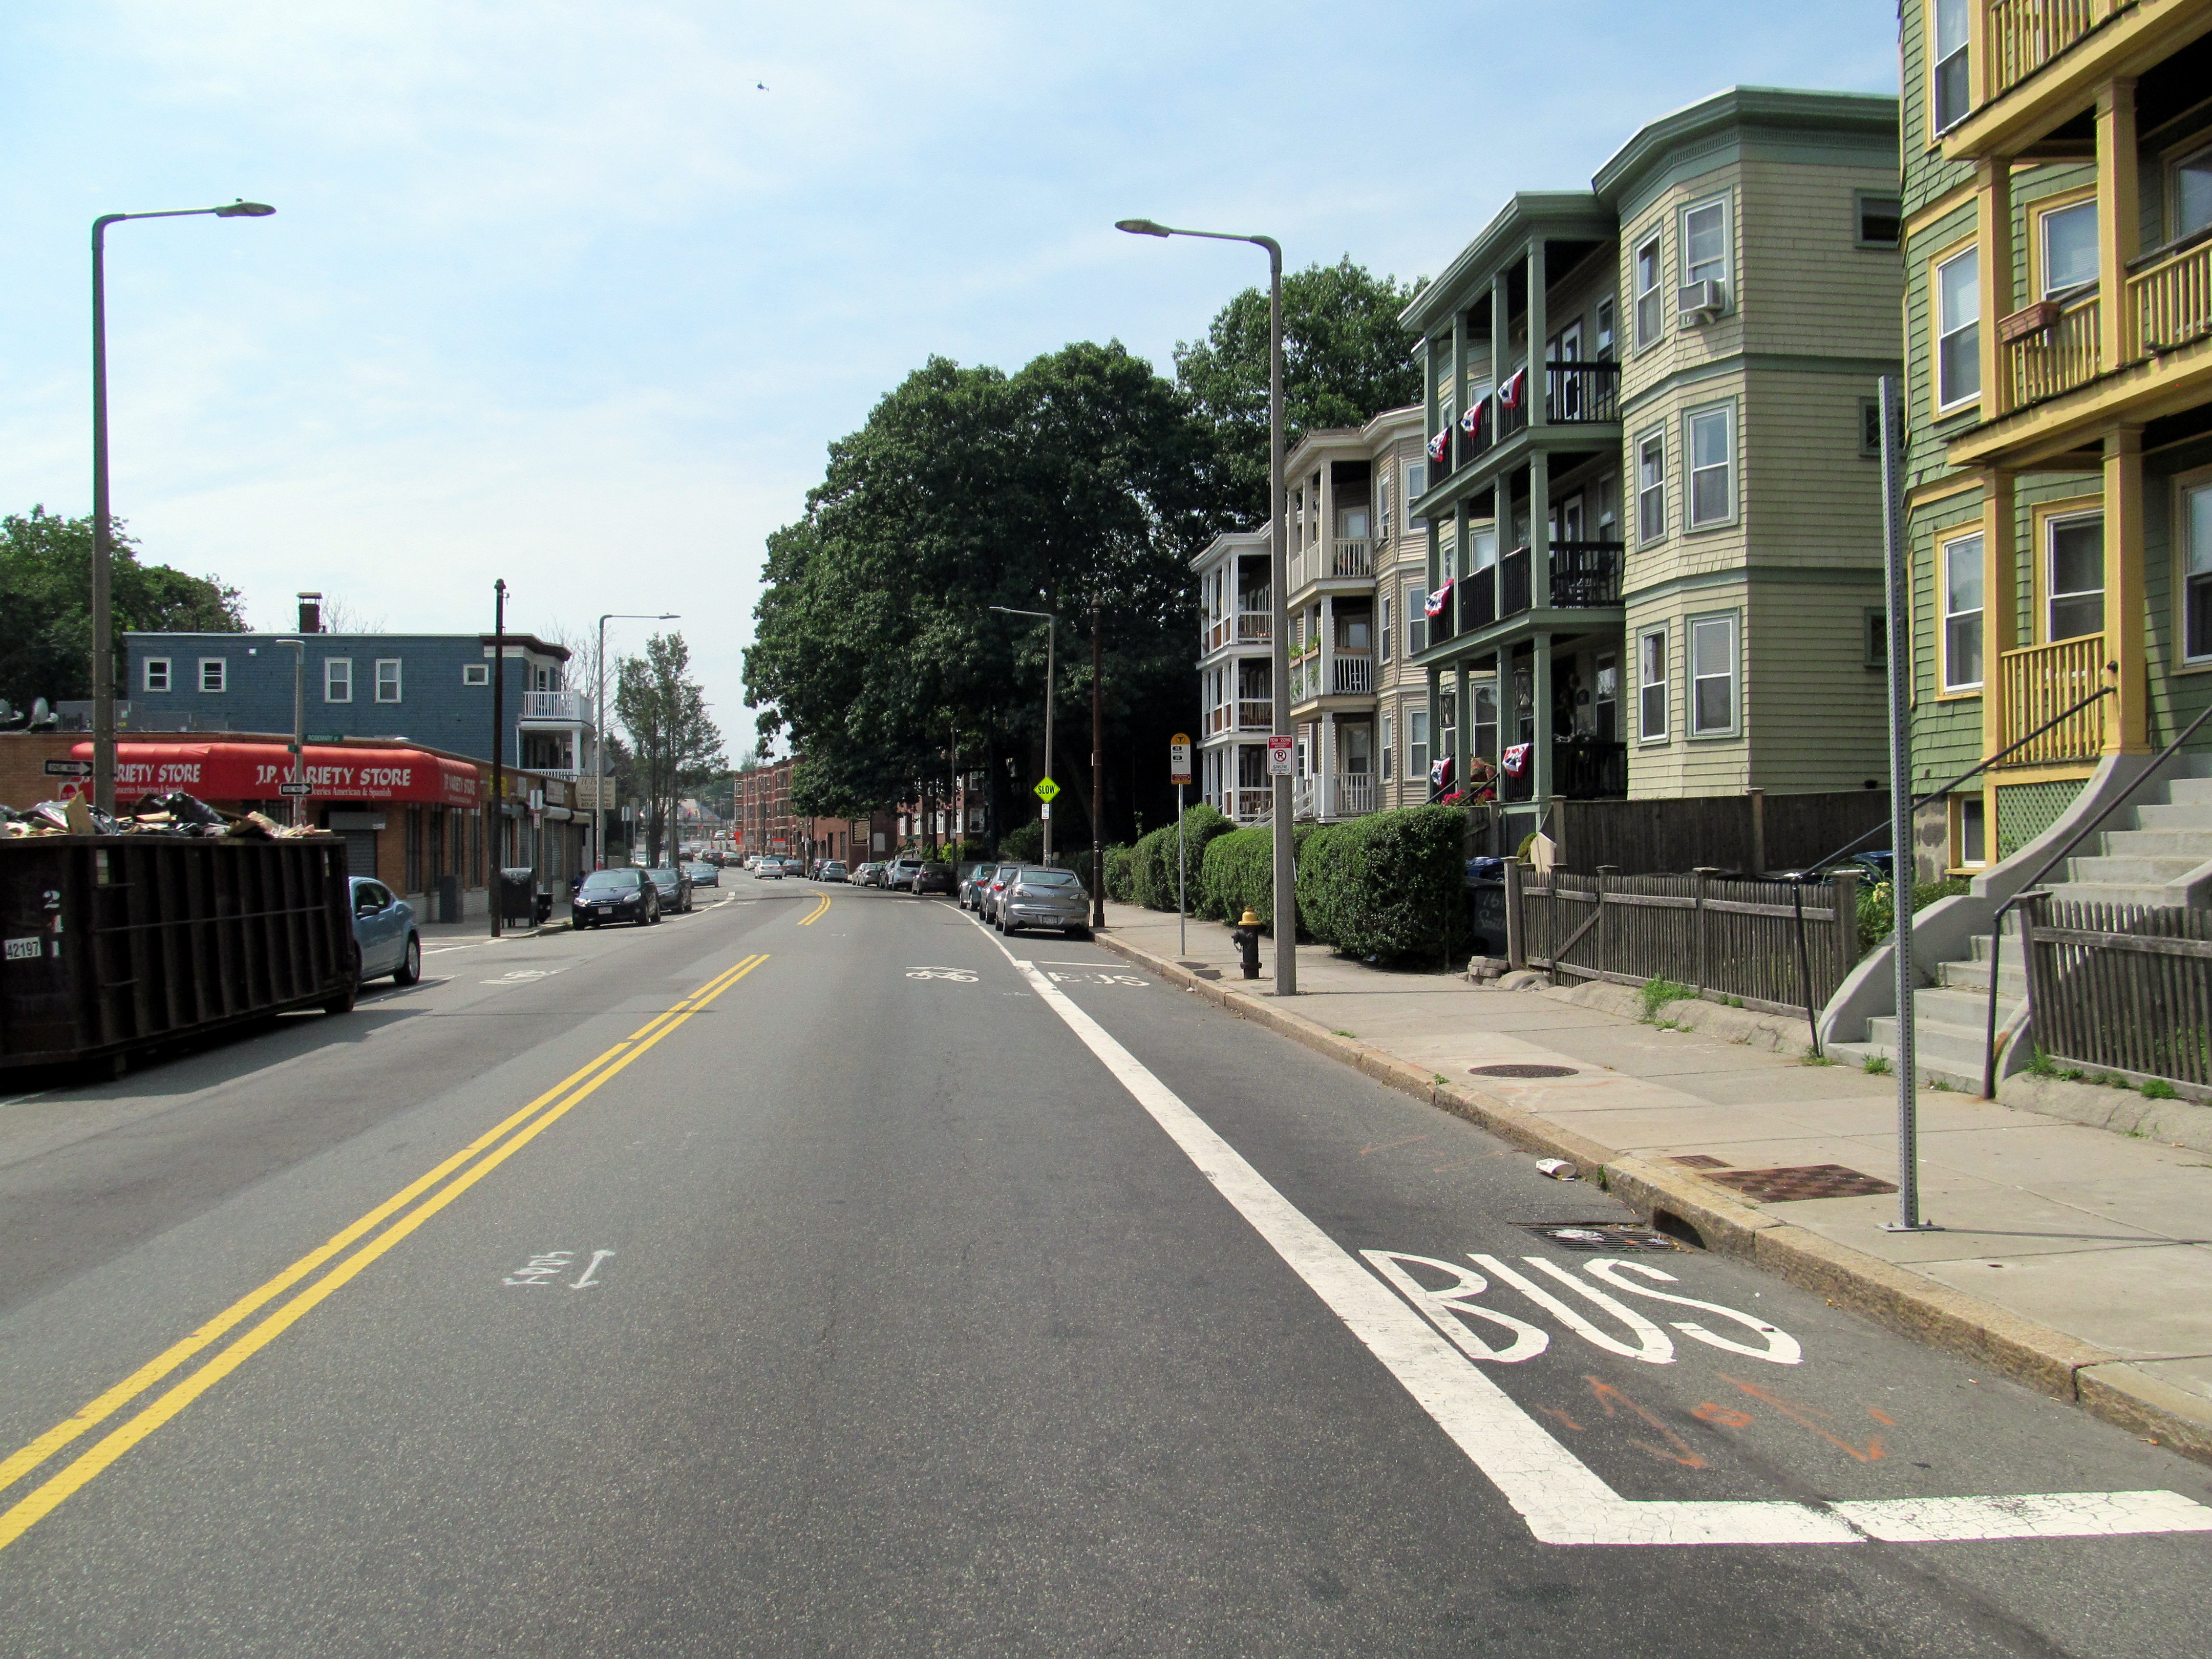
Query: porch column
x: 1435, y: 721
x: 1325, y: 801
x: 2127, y: 726
x: 1540, y: 690
x: 1459, y: 362
x: 1539, y: 382
x: 1328, y: 647
x: 1463, y: 726
x: 1501, y: 331
x: 1460, y: 562
x: 2000, y: 625
x: 1325, y: 519
x: 2119, y: 224
x: 1993, y: 237
x: 1540, y: 529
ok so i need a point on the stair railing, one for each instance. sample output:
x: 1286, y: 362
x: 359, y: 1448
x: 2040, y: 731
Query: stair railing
x: 2031, y: 888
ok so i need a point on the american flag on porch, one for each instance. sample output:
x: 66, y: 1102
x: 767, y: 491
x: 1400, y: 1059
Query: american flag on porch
x: 1436, y: 602
x: 1508, y: 395
x: 1471, y: 422
x: 1440, y: 446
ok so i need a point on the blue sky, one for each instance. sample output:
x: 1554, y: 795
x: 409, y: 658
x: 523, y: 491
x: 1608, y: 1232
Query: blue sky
x: 555, y: 293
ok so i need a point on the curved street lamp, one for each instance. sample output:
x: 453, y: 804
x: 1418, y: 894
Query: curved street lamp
x: 103, y: 641
x: 1286, y: 902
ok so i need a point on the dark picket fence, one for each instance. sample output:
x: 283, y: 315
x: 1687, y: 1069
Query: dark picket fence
x: 1773, y: 945
x: 2122, y: 987
x: 1744, y: 832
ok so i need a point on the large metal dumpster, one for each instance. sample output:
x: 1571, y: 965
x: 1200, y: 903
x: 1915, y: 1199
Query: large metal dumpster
x: 114, y: 943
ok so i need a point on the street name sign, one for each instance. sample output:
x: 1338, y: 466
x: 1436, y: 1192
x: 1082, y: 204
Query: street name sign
x: 1179, y: 758
x: 1047, y: 791
x: 1280, y: 756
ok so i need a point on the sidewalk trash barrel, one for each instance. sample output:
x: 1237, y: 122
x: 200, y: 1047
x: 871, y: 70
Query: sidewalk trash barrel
x: 448, y: 897
x: 516, y: 897
x: 1485, y: 895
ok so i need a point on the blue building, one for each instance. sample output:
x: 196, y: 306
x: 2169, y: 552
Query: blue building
x: 431, y: 688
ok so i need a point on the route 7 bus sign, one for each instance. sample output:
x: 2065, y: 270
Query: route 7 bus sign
x: 1179, y: 758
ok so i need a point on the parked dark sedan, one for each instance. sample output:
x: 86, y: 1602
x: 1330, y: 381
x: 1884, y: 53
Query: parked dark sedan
x: 674, y: 888
x: 937, y: 878
x: 617, y: 895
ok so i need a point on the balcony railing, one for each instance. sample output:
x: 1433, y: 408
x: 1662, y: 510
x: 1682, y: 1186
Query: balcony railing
x: 1513, y: 583
x: 1351, y: 676
x: 566, y: 707
x: 1256, y: 627
x: 2024, y: 35
x: 1352, y: 555
x: 1255, y: 714
x: 1353, y: 796
x: 2059, y: 358
x: 1474, y: 600
x: 1581, y: 392
x: 1254, y: 805
x: 1217, y: 720
x: 2170, y: 303
x: 1582, y: 768
x: 1585, y: 575
x: 1302, y: 797
x: 2036, y: 684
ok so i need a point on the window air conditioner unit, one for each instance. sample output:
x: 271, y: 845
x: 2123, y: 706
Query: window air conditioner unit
x: 1700, y: 303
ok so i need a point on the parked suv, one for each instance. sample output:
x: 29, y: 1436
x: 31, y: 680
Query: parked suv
x: 902, y: 872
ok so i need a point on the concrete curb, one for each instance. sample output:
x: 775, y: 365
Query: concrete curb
x: 1676, y: 1200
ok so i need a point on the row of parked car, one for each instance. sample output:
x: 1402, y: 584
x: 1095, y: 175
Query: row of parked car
x: 1012, y: 897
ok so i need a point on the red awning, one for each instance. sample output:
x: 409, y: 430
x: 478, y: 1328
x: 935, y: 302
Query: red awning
x: 254, y: 771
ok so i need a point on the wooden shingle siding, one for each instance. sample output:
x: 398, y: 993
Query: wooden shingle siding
x: 1807, y: 285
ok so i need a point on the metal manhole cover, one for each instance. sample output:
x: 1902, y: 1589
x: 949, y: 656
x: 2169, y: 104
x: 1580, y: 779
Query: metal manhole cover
x: 1809, y: 1181
x: 1520, y: 1069
x: 1591, y: 1236
x: 1699, y: 1161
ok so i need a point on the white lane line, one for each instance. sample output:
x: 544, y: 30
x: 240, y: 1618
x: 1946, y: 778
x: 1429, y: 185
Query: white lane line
x: 1559, y: 1496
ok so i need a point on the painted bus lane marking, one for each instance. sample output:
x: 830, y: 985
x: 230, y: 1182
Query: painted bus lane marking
x: 1560, y: 1498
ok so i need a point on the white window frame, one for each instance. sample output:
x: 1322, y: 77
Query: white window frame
x: 337, y: 679
x: 2048, y: 284
x: 1692, y: 420
x: 221, y: 677
x: 1416, y: 617
x: 1417, y: 484
x: 1651, y: 493
x: 2196, y: 159
x: 1388, y: 744
x: 1947, y: 397
x: 1952, y: 617
x: 1646, y: 684
x: 1608, y: 329
x: 1416, y: 745
x: 1383, y: 643
x: 2195, y: 551
x: 1726, y: 263
x: 153, y: 674
x: 1652, y: 324
x: 393, y: 680
x: 2051, y: 596
x: 1692, y: 627
x: 476, y: 673
x: 1940, y: 61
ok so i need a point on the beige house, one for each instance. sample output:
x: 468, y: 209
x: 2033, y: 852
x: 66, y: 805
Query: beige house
x: 1659, y: 543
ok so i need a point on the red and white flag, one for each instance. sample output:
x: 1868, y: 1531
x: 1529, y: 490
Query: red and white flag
x: 1437, y: 601
x: 1508, y: 395
x: 1515, y: 758
x: 1440, y: 446
x: 1471, y: 422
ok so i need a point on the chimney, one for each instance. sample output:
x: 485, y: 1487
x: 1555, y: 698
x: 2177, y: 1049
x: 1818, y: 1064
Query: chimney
x: 311, y: 613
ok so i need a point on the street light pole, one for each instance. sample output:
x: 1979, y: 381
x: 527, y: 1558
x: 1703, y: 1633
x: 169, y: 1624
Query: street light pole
x: 1098, y: 784
x: 599, y: 774
x: 299, y: 726
x: 1286, y: 901
x: 496, y: 830
x: 1051, y: 635
x: 103, y: 619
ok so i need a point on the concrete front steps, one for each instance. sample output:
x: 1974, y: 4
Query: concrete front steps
x: 2164, y: 836
x: 1950, y: 1018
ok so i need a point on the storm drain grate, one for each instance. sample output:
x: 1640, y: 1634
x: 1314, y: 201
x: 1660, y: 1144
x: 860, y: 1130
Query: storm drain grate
x: 1810, y: 1181
x: 1521, y: 1068
x: 1699, y: 1161
x: 1589, y: 1237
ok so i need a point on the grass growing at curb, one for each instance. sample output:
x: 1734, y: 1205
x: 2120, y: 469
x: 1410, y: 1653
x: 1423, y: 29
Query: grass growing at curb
x: 2158, y: 1088
x: 1657, y: 992
x: 1815, y: 1059
x: 1875, y: 1066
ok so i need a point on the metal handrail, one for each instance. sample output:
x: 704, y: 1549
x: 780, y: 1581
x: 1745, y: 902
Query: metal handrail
x: 2029, y: 889
x: 1941, y: 790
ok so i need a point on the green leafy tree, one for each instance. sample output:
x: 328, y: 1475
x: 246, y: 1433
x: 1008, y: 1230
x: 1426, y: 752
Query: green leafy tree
x: 875, y: 648
x: 1345, y: 360
x: 45, y: 604
x: 674, y: 747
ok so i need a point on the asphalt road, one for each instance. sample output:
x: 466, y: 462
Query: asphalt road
x: 813, y: 1275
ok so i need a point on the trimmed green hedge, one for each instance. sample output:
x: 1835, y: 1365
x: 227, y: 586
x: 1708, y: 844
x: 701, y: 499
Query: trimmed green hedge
x: 1388, y: 885
x: 1239, y: 874
x: 1122, y: 874
x: 1152, y: 860
x: 1025, y: 845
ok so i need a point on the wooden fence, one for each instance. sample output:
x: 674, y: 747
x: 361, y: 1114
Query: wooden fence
x: 1745, y: 832
x: 2122, y: 987
x: 1773, y: 945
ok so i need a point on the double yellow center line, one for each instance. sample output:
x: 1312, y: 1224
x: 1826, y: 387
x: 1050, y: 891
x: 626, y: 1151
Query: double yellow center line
x: 821, y: 909
x: 473, y: 1161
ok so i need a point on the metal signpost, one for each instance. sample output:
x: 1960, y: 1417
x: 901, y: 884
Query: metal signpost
x: 1901, y: 861
x: 1179, y: 770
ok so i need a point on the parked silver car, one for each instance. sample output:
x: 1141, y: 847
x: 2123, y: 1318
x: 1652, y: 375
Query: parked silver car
x: 971, y: 890
x: 1045, y: 898
x: 384, y: 928
x: 901, y: 873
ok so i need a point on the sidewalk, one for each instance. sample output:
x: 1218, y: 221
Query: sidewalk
x: 2072, y: 1258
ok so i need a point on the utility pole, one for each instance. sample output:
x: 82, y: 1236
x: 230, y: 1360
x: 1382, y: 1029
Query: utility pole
x: 1097, y: 782
x: 496, y: 832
